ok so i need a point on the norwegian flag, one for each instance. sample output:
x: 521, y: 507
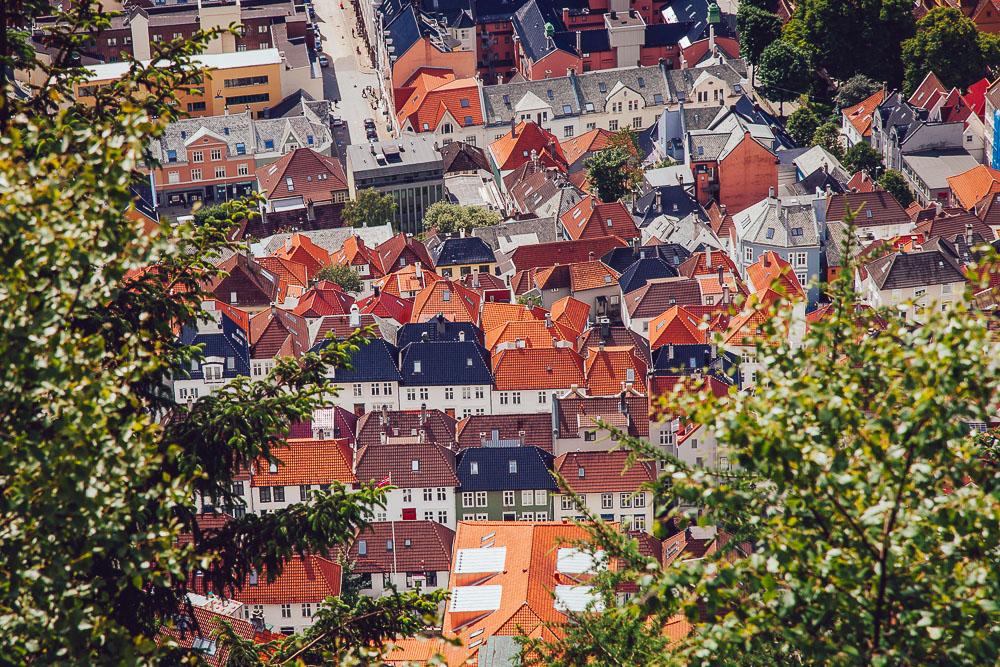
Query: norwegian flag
x: 386, y: 481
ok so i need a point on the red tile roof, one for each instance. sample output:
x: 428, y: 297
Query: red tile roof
x: 387, y: 306
x: 591, y: 218
x: 860, y: 115
x: 576, y: 413
x: 925, y: 92
x: 588, y: 142
x: 698, y: 264
x: 770, y: 271
x: 746, y: 328
x: 209, y: 626
x: 430, y: 96
x: 436, y: 465
x: 278, y: 333
x: 971, y: 186
x: 313, y: 176
x: 677, y: 326
x: 449, y: 298
x: 341, y: 327
x: 355, y: 253
x: 303, y: 579
x: 607, y: 370
x: 514, y: 148
x: 976, y: 97
x: 861, y: 182
x: 438, y: 426
x: 324, y: 298
x: 307, y: 462
x: 406, y: 281
x: 603, y: 472
x: 531, y: 429
x: 537, y: 368
x: 405, y: 247
x: 418, y: 546
x: 300, y: 248
x: 563, y: 252
x: 292, y: 273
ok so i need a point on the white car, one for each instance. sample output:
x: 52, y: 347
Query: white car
x: 323, y: 60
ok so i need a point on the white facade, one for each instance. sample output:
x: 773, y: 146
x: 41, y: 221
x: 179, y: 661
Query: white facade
x: 527, y: 401
x: 365, y: 396
x: 381, y: 582
x: 633, y: 510
x: 289, y: 618
x: 464, y: 400
x: 435, y: 503
x: 918, y: 299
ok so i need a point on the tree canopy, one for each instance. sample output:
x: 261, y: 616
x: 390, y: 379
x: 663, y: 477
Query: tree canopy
x: 102, y: 471
x: 757, y: 28
x: 856, y: 89
x: 784, y: 71
x: 802, y: 124
x: 862, y: 157
x: 895, y: 184
x: 343, y: 275
x: 369, y: 209
x: 613, y: 172
x: 946, y: 43
x: 827, y: 135
x: 858, y: 522
x: 447, y: 218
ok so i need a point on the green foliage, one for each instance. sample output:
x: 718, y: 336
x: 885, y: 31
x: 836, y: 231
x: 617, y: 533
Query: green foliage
x: 989, y: 46
x: 447, y: 218
x: 946, y: 43
x: 848, y: 37
x: 370, y: 209
x: 862, y: 157
x: 343, y: 275
x: 612, y: 172
x: 101, y: 469
x: 757, y: 28
x: 533, y: 300
x: 784, y: 71
x: 896, y: 184
x: 856, y: 535
x: 859, y: 87
x: 827, y: 135
x: 802, y: 124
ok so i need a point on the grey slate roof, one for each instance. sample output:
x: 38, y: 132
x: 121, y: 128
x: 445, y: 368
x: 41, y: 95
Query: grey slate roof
x: 330, y: 240
x: 648, y: 82
x: 464, y: 250
x: 782, y: 223
x: 680, y: 82
x: 543, y: 229
x: 902, y: 270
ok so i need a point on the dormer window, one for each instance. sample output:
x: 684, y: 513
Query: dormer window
x: 269, y: 144
x: 416, y: 366
x: 171, y: 156
x: 474, y: 468
x: 213, y: 372
x: 512, y: 467
x: 273, y: 467
x: 464, y: 102
x: 580, y: 472
x: 290, y: 184
x: 362, y: 548
x: 446, y: 295
x: 415, y: 465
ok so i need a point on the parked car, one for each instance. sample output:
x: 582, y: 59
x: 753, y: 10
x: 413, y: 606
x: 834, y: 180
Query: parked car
x: 337, y: 122
x: 369, y: 124
x: 323, y: 60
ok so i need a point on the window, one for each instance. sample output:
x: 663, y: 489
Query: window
x: 428, y: 495
x: 802, y: 277
x: 449, y: 393
x: 566, y: 502
x: 748, y: 254
x: 567, y: 131
x: 508, y: 498
x: 543, y: 398
x: 613, y: 125
x: 504, y: 398
x: 197, y: 156
x: 480, y: 499
x: 479, y: 394
x: 307, y: 611
x: 387, y: 388
x: 607, y: 501
x: 357, y: 391
x: 415, y: 465
x: 639, y: 500
x: 541, y: 497
x: 442, y: 493
x: 269, y: 144
x: 468, y: 499
x: 216, y: 154
x: 279, y: 494
x: 424, y: 393
x: 411, y: 394
x: 527, y: 497
x: 407, y: 495
x: 527, y: 516
x: 242, y: 170
x: 474, y: 468
x: 442, y: 516
x: 286, y: 611
x: 220, y: 172
x: 639, y: 522
x: 173, y: 177
x: 799, y: 259
x: 196, y: 174
x: 265, y: 494
x: 512, y: 467
x: 246, y: 81
x: 637, y: 122
x: 625, y: 499
x: 213, y: 372
x: 304, y: 492
x: 589, y: 436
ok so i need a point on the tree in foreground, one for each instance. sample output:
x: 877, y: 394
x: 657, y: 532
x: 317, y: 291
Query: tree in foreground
x: 827, y: 135
x: 101, y: 469
x: 784, y: 71
x: 862, y: 157
x: 612, y: 172
x: 757, y: 28
x: 371, y: 208
x: 863, y: 518
x: 802, y: 124
x: 446, y: 218
x: 895, y: 183
x: 856, y: 89
x: 947, y: 43
x: 343, y: 275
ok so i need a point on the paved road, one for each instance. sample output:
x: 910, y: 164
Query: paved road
x: 349, y: 73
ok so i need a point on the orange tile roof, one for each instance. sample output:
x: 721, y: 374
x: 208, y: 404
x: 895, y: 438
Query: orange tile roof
x: 591, y: 218
x: 292, y: 273
x: 354, y: 252
x: 534, y: 333
x: 537, y: 368
x: 527, y: 581
x: 324, y: 298
x: 449, y: 298
x: 308, y: 462
x: 405, y: 282
x: 860, y: 115
x: 304, y: 579
x: 313, y: 176
x: 769, y: 271
x: 603, y: 472
x: 607, y: 370
x: 861, y: 182
x: 698, y: 263
x: 746, y: 328
x: 572, y: 313
x: 300, y: 248
x: 676, y: 326
x: 588, y: 142
x: 514, y: 148
x: 496, y: 313
x: 591, y: 275
x: 429, y: 97
x: 971, y: 186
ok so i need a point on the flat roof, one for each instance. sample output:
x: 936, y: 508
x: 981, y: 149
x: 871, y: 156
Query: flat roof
x: 207, y: 60
x: 934, y: 167
x: 406, y: 150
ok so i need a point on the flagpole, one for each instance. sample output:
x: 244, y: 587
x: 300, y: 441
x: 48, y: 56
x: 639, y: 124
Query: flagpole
x: 394, y: 545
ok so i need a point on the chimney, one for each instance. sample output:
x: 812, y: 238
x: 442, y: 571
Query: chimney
x: 513, y: 127
x: 708, y: 255
x: 355, y: 318
x: 461, y: 336
x: 579, y: 41
x: 423, y: 414
x: 424, y: 336
x: 548, y: 321
x: 711, y: 37
x: 385, y: 416
x: 767, y: 260
x: 670, y: 352
x: 439, y: 325
x: 968, y: 233
x: 418, y: 271
x: 720, y: 274
x: 725, y: 294
x: 600, y: 345
x: 938, y: 209
x: 590, y: 255
x: 770, y: 192
x: 605, y: 330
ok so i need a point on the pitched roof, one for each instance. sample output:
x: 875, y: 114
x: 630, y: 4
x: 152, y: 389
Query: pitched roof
x: 534, y: 333
x: 658, y: 295
x: 449, y: 298
x: 677, y: 326
x: 575, y: 413
x: 590, y: 275
x: 971, y: 186
x: 355, y: 252
x: 770, y: 271
x: 462, y: 250
x: 876, y: 208
x: 706, y: 263
x: 302, y: 173
x: 291, y: 273
x: 407, y: 280
x: 613, y: 336
x: 278, y: 333
x: 563, y: 252
x: 949, y: 226
x: 417, y: 546
x: 324, y: 298
x: 268, y: 284
x: 303, y: 579
x: 589, y: 142
x: 435, y: 465
x: 374, y: 361
x: 607, y: 370
x: 444, y: 363
x: 643, y: 270
x: 900, y: 270
x: 300, y: 248
x: 209, y: 627
x: 514, y: 148
x: 459, y: 156
x: 391, y: 250
x: 860, y: 115
x: 490, y: 469
x: 496, y: 313
x: 527, y: 429
x: 307, y: 462
x: 438, y: 329
x: 603, y: 472
x: 923, y: 94
x: 438, y: 427
x: 591, y: 218
x: 571, y: 313
x: 528, y: 368
x: 430, y: 95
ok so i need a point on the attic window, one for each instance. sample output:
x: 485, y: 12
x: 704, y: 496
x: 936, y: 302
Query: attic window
x: 407, y: 542
x: 642, y: 82
x: 474, y: 468
x: 603, y: 87
x: 289, y: 183
x: 701, y: 150
x: 567, y: 109
x: 171, y: 156
x: 184, y: 134
x: 512, y: 467
x: 581, y: 473
x: 609, y: 222
x: 576, y: 213
x: 269, y: 144
x: 273, y: 467
x: 550, y: 94
x: 524, y: 153
x: 770, y: 233
x: 607, y: 279
x: 426, y: 127
x: 737, y: 88
x: 796, y: 231
x: 225, y: 131
x: 506, y: 100
x: 468, y: 120
x: 446, y: 295
x: 241, y: 149
x: 589, y: 106
x: 868, y: 212
x: 362, y: 548
x: 415, y: 465
x: 388, y: 545
x: 464, y: 102
x: 203, y: 645
x: 309, y: 139
x: 416, y: 366
x: 468, y: 361
x: 657, y: 98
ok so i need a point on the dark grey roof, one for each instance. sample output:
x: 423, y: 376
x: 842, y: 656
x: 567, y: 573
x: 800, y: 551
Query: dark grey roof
x: 463, y: 250
x: 529, y: 25
x: 902, y: 270
x: 620, y: 259
x: 438, y: 328
x: 644, y: 270
x: 445, y: 363
x: 596, y: 87
x: 373, y: 362
x: 666, y: 34
x: 544, y: 229
x: 671, y: 360
x: 493, y: 464
x: 403, y: 30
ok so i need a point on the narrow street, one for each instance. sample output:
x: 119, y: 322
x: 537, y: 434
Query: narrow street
x: 348, y: 75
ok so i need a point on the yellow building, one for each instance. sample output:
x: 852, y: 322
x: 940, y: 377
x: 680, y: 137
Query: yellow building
x: 233, y: 81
